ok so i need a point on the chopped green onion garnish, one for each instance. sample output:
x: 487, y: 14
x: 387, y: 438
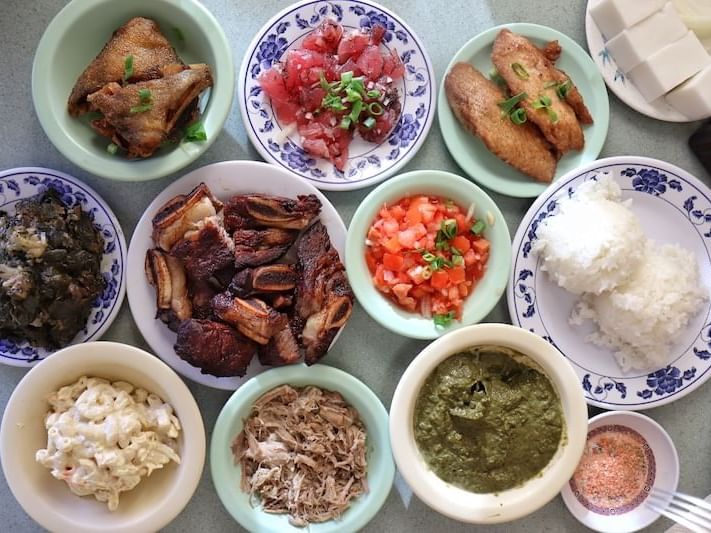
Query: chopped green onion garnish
x: 440, y: 242
x: 563, y: 89
x: 127, y: 68
x: 457, y: 260
x: 550, y: 84
x: 112, y: 149
x: 195, y: 132
x: 146, y: 99
x: 355, y: 111
x: 478, y: 227
x: 375, y: 109
x: 542, y: 102
x: 552, y: 115
x: 455, y: 251
x: 333, y: 101
x: 145, y: 96
x: 324, y: 82
x: 507, y: 105
x: 141, y: 108
x: 345, y: 123
x: 518, y: 116
x: 346, y: 77
x: 374, y: 93
x: 368, y: 123
x: 448, y: 228
x: 443, y: 320
x: 428, y: 256
x: 352, y: 95
x: 519, y: 70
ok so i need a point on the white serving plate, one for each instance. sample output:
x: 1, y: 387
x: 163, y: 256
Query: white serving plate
x: 368, y: 163
x: 22, y: 183
x: 673, y: 207
x: 224, y: 180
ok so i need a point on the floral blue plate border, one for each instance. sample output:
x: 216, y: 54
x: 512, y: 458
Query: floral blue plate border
x: 368, y: 164
x: 673, y: 206
x: 21, y: 183
x: 616, y: 80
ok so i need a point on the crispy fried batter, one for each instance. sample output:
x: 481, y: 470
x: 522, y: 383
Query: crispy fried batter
x: 140, y: 38
x: 564, y: 133
x: 474, y: 100
x: 139, y: 130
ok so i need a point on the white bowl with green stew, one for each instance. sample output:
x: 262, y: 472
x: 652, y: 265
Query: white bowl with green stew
x: 488, y: 423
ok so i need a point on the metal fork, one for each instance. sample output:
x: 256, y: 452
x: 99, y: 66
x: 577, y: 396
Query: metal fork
x: 688, y: 511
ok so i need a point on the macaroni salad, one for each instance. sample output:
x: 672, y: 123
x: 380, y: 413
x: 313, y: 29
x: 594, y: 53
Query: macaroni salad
x: 103, y: 437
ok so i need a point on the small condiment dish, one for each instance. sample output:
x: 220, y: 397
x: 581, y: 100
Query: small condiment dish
x: 73, y: 39
x: 156, y: 500
x: 226, y: 474
x: 507, y: 505
x: 662, y: 472
x: 463, y: 193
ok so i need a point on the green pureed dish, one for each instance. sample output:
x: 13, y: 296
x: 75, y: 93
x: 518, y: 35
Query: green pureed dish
x: 488, y: 419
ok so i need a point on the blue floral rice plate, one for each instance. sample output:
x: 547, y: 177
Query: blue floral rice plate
x: 368, y: 163
x: 22, y: 183
x: 673, y: 207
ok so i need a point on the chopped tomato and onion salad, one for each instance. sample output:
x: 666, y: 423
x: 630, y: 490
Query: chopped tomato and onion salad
x: 427, y: 254
x: 337, y: 83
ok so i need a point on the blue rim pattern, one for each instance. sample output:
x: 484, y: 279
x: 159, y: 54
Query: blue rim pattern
x: 687, y: 367
x: 15, y: 186
x: 378, y: 162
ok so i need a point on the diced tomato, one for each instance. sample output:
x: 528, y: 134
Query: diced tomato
x: 413, y: 216
x: 392, y: 245
x: 439, y: 279
x: 457, y: 275
x: 480, y: 245
x: 393, y: 262
x: 371, y: 261
x: 461, y: 243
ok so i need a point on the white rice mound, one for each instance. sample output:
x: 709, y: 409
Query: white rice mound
x: 594, y: 242
x: 643, y: 317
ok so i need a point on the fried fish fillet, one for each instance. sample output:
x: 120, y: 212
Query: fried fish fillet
x: 140, y: 38
x: 527, y: 69
x: 139, y: 128
x: 474, y: 100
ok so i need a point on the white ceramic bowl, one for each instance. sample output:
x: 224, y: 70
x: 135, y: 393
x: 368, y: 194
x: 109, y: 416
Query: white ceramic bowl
x: 507, y: 505
x: 662, y: 474
x: 148, y: 507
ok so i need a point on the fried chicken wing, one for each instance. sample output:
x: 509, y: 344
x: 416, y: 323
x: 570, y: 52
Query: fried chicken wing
x: 474, y: 100
x: 139, y: 124
x: 527, y: 69
x: 140, y: 38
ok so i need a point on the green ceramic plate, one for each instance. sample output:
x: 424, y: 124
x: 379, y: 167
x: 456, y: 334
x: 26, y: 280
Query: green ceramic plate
x: 78, y: 33
x: 464, y: 193
x: 471, y: 154
x: 226, y: 475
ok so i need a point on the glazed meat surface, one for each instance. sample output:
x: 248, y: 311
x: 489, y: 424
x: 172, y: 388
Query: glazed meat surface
x: 255, y: 247
x: 140, y: 125
x: 252, y: 317
x: 205, y: 250
x: 264, y: 279
x: 474, y: 100
x: 140, y: 38
x: 282, y: 349
x: 214, y: 347
x: 258, y: 210
x: 324, y: 299
x: 565, y: 132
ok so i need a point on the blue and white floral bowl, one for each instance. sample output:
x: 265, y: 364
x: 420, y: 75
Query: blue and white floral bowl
x: 21, y: 183
x: 673, y: 207
x: 368, y: 164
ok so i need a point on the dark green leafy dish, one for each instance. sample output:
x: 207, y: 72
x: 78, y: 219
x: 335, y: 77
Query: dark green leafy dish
x: 488, y: 419
x: 50, y: 270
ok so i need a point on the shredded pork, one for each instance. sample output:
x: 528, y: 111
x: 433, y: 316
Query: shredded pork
x: 303, y: 452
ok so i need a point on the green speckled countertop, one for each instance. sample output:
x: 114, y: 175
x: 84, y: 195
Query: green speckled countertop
x: 366, y: 350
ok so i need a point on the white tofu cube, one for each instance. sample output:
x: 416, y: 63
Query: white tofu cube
x: 637, y: 43
x: 613, y: 16
x: 693, y: 97
x: 670, y: 66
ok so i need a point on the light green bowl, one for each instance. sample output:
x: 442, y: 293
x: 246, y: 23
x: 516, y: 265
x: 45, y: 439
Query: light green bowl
x: 464, y: 193
x: 470, y: 153
x: 226, y: 475
x: 74, y: 38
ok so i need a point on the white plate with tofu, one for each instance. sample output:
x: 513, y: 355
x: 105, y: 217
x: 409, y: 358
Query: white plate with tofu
x: 651, y: 56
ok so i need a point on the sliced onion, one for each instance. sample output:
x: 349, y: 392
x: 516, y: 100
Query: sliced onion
x: 426, y: 306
